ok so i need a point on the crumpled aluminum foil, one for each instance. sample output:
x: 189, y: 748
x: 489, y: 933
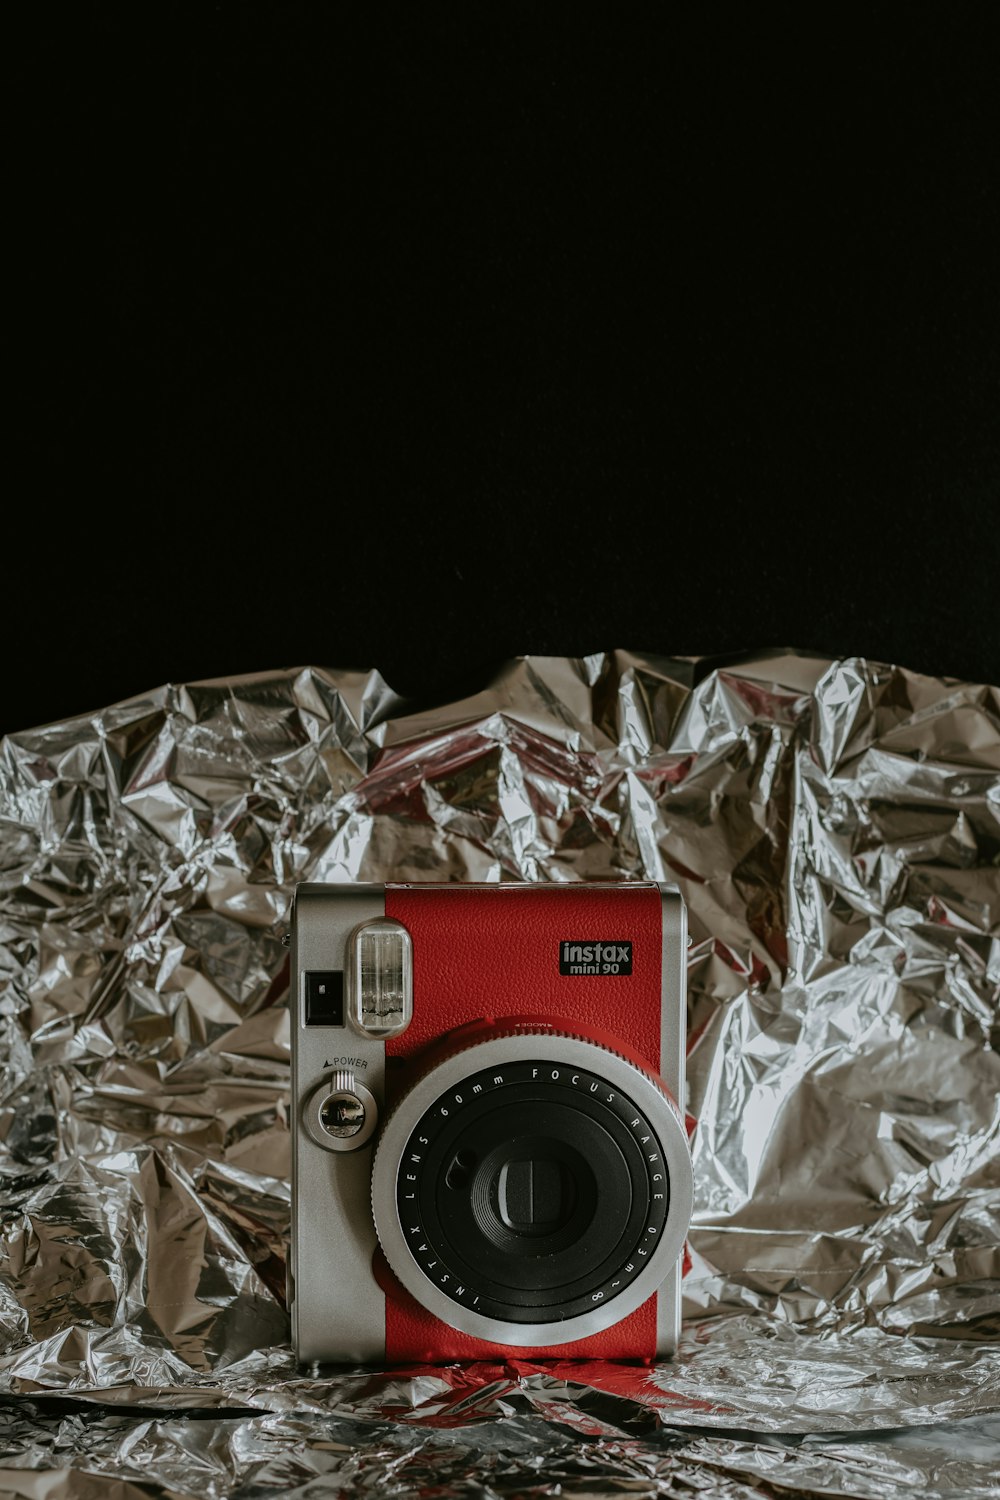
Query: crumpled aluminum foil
x: 835, y: 830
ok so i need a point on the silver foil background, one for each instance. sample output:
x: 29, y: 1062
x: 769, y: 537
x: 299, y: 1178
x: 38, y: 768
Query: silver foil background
x: 835, y: 830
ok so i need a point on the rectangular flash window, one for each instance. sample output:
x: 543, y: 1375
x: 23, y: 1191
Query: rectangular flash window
x: 382, y: 978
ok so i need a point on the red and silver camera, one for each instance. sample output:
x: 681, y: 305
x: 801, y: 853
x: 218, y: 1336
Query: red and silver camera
x: 489, y: 1157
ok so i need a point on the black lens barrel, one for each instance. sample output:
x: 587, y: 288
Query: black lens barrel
x: 532, y: 1192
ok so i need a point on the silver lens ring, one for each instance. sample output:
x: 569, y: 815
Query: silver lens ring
x: 561, y: 1052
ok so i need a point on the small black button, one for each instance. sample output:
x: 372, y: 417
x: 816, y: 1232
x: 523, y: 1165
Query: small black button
x: 325, y: 998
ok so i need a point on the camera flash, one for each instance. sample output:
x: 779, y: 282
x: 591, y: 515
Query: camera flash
x: 382, y: 978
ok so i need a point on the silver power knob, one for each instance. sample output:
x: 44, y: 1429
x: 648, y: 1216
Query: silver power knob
x: 341, y: 1114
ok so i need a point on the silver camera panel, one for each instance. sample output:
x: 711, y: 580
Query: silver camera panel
x: 337, y: 1307
x: 673, y: 1059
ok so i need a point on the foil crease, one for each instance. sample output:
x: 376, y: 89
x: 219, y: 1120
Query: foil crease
x: 835, y: 830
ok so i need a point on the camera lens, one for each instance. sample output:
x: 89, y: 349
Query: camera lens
x: 532, y: 1192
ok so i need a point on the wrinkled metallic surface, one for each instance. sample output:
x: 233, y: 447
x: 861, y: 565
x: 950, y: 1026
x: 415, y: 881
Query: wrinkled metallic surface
x: 835, y: 829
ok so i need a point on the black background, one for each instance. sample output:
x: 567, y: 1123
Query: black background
x: 417, y: 341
